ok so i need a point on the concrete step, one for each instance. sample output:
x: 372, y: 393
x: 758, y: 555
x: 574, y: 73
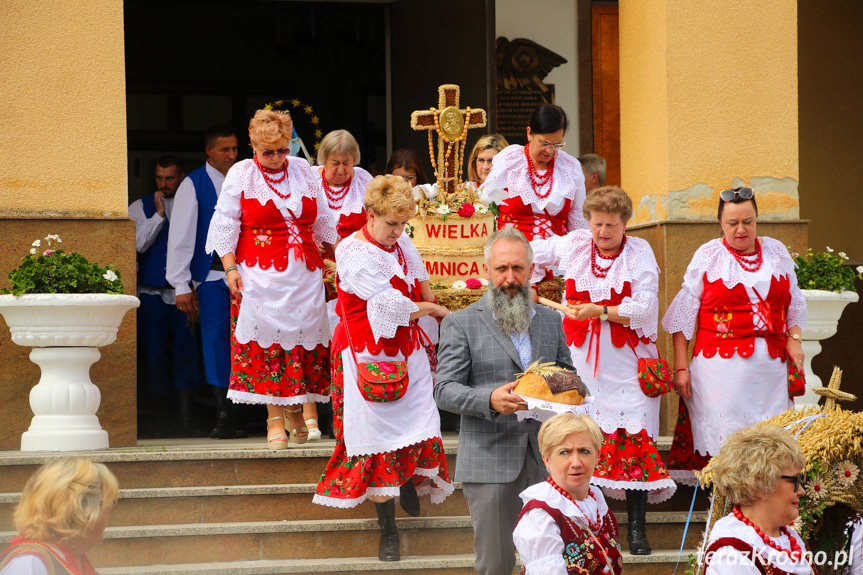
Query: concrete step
x: 659, y: 563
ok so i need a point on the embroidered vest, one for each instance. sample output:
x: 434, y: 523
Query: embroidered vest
x: 726, y: 320
x: 514, y: 211
x: 152, y: 263
x: 580, y: 550
x: 764, y: 567
x: 350, y: 223
x: 576, y: 330
x: 266, y: 238
x: 205, y: 192
x: 352, y: 308
x: 54, y: 563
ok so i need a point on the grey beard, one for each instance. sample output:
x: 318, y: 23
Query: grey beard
x: 512, y: 313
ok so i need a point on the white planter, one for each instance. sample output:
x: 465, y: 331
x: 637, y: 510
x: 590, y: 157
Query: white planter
x: 825, y: 309
x: 65, y: 331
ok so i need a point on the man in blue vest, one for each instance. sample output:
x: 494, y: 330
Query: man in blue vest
x: 189, y: 265
x: 167, y: 348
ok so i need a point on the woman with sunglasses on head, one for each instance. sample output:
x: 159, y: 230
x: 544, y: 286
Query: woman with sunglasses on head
x: 758, y: 472
x: 741, y: 302
x: 270, y: 217
x: 544, y: 184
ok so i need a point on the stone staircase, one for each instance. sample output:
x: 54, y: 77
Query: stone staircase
x: 233, y: 507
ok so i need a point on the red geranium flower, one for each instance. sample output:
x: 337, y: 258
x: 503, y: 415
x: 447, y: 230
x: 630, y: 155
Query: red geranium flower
x: 466, y: 210
x: 473, y: 283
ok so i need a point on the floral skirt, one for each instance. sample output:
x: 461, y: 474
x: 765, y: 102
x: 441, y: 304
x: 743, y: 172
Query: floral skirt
x: 348, y: 481
x: 631, y: 461
x: 275, y: 375
x: 683, y: 460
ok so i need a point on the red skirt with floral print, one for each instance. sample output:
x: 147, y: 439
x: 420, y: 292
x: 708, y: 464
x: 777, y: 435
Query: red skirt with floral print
x: 275, y: 372
x: 348, y: 481
x: 683, y: 455
x: 631, y: 461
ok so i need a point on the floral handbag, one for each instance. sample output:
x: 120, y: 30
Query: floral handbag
x: 654, y: 374
x: 796, y: 380
x: 380, y: 381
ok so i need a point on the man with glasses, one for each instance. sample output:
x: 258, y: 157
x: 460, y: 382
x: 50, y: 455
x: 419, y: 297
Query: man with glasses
x: 187, y: 263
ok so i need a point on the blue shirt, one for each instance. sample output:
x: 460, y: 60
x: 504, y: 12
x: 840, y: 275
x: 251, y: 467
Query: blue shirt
x: 522, y: 344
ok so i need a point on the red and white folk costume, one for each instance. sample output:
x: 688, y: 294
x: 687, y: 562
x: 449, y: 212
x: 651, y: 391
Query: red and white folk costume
x: 280, y: 330
x: 602, y: 354
x: 554, y: 536
x: 347, y: 201
x: 547, y: 206
x: 730, y: 539
x: 381, y: 446
x: 739, y: 319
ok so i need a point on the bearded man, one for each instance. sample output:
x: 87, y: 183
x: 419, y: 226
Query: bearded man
x: 481, y: 349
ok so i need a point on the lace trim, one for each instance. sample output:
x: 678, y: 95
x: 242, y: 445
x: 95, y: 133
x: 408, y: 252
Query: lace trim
x: 730, y: 526
x: 354, y: 255
x: 355, y: 200
x: 509, y: 171
x: 419, y: 437
x: 437, y: 488
x: 658, y: 491
x: 550, y: 496
x: 259, y: 399
x: 223, y: 235
x: 387, y: 311
x: 245, y: 178
x: 717, y: 262
x: 682, y: 315
x: 266, y: 327
x: 683, y: 477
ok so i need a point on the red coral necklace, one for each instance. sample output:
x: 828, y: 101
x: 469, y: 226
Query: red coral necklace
x: 69, y: 562
x: 270, y: 180
x: 393, y: 248
x: 595, y: 266
x: 750, y: 262
x: 335, y: 199
x: 794, y: 553
x: 537, y: 181
x: 594, y: 525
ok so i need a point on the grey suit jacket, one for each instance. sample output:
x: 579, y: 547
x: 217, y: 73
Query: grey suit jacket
x: 474, y: 358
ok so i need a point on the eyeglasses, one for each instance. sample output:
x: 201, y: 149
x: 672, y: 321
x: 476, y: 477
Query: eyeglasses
x: 549, y: 145
x: 796, y: 479
x: 282, y: 152
x: 728, y: 195
x: 482, y: 161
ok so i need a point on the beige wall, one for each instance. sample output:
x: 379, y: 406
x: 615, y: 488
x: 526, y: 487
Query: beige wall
x: 62, y: 108
x: 554, y: 25
x: 708, y: 97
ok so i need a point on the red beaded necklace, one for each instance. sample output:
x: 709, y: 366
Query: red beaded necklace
x: 594, y: 525
x: 69, y: 562
x: 393, y: 248
x: 750, y: 262
x: 597, y: 269
x: 335, y: 199
x: 537, y: 181
x: 794, y: 553
x: 270, y: 180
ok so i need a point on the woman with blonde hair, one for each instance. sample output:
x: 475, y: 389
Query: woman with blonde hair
x: 565, y: 525
x: 388, y: 440
x: 269, y: 220
x: 62, y: 514
x: 759, y: 471
x: 611, y: 282
x: 485, y: 149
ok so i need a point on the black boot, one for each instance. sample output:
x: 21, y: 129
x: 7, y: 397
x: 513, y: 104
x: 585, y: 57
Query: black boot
x: 408, y: 498
x: 185, y: 421
x: 226, y: 422
x: 388, y: 550
x: 636, y: 509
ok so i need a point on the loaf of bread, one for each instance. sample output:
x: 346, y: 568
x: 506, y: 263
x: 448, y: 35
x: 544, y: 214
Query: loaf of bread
x: 549, y: 382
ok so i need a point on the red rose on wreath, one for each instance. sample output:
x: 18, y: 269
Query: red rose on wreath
x: 466, y: 210
x: 473, y: 283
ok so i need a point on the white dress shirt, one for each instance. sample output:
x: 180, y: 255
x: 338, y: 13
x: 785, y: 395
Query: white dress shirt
x: 181, y: 237
x: 146, y: 230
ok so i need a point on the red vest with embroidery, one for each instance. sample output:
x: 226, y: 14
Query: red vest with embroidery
x: 576, y: 330
x: 726, y: 319
x: 350, y: 223
x: 354, y: 310
x: 580, y: 550
x: 513, y: 211
x: 764, y: 567
x: 266, y: 238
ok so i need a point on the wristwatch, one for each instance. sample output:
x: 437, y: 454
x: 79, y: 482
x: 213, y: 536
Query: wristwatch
x: 794, y: 335
x: 604, y: 315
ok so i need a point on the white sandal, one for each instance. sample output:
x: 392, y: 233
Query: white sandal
x: 314, y: 432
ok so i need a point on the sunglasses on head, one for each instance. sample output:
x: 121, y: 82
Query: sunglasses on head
x: 795, y: 479
x: 728, y: 195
